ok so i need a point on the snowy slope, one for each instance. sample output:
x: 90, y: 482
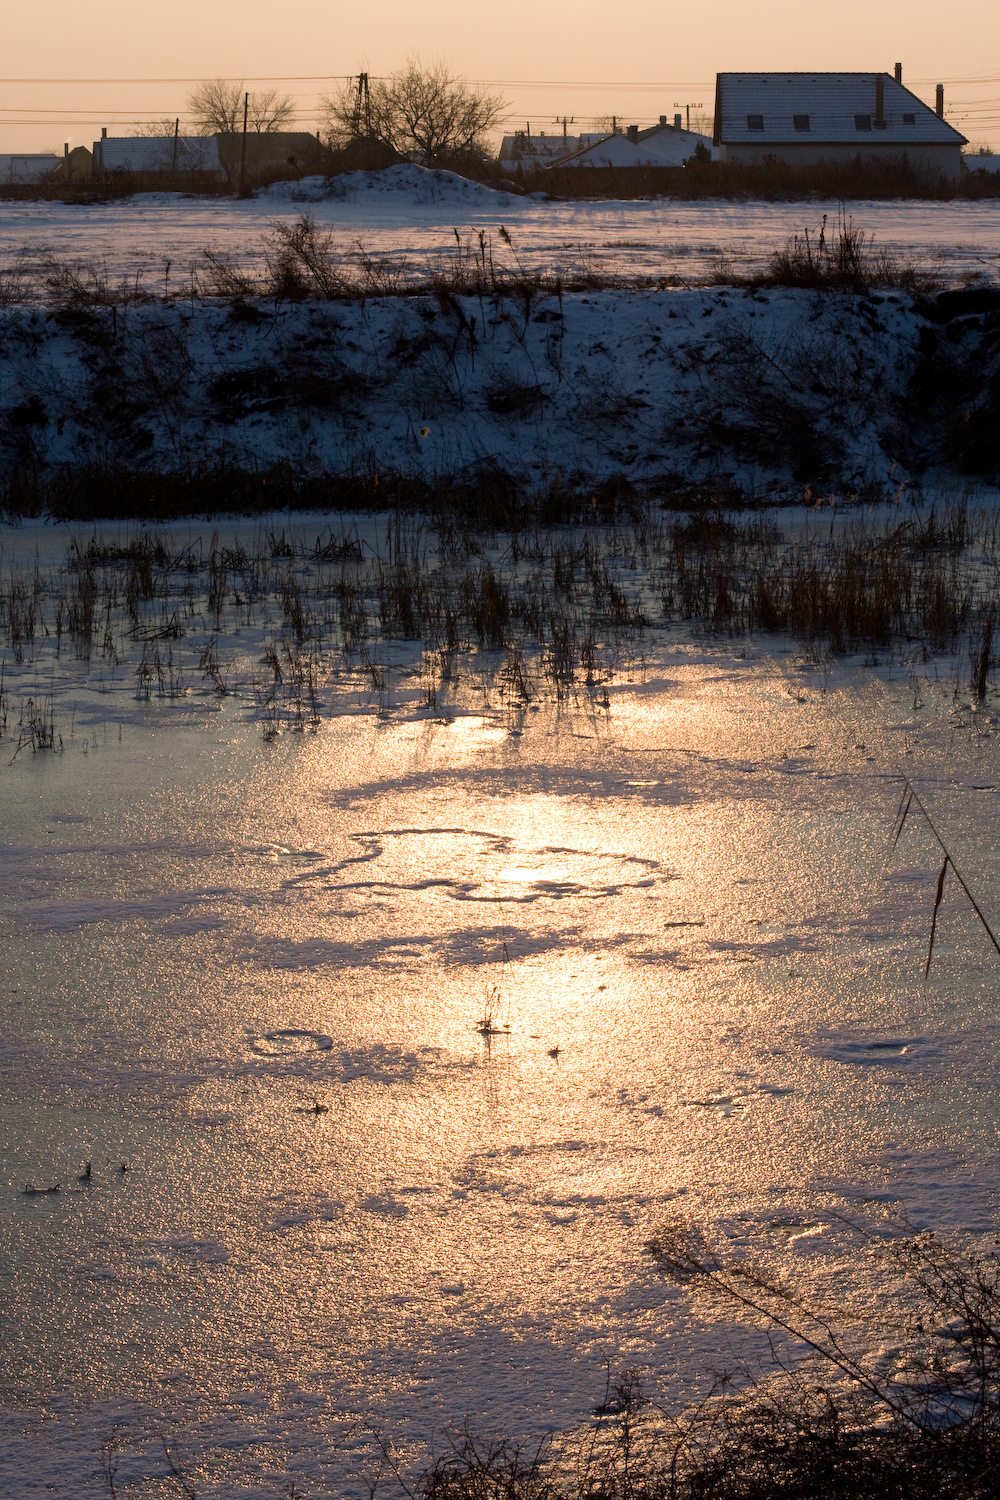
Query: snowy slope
x: 752, y: 392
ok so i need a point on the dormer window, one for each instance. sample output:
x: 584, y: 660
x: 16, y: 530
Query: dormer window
x: 801, y: 122
x: 755, y: 122
x: 862, y: 122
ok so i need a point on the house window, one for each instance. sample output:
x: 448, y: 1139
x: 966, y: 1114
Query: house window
x: 909, y: 119
x: 755, y: 122
x: 862, y: 122
x: 801, y: 122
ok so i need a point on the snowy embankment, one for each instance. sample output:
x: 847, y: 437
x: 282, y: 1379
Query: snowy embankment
x: 733, y: 392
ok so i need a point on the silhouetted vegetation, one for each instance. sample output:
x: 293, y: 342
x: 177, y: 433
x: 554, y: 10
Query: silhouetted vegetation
x: 772, y: 181
x: 542, y: 612
x: 901, y: 1405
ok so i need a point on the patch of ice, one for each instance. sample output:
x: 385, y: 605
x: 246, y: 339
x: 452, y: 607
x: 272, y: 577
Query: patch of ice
x: 208, y: 1252
x: 61, y: 916
x: 293, y: 1212
x: 875, y: 1050
x: 290, y: 1039
x: 386, y: 1204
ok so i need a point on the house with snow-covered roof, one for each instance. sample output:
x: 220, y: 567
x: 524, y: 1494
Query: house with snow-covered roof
x: 808, y: 118
x: 528, y: 151
x: 157, y: 153
x: 661, y: 146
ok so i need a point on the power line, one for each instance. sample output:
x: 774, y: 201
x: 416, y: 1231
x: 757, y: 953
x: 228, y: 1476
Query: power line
x: 265, y: 78
x: 585, y: 83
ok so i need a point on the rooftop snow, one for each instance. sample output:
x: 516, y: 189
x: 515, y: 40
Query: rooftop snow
x: 832, y: 103
x: 156, y: 153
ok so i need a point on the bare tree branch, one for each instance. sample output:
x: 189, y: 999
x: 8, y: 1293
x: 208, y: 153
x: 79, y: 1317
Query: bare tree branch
x: 217, y: 105
x: 420, y: 111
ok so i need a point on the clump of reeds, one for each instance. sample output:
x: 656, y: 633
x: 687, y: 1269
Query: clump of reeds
x: 490, y: 1023
x: 36, y: 725
x: 841, y: 257
x: 540, y: 611
x: 907, y: 1408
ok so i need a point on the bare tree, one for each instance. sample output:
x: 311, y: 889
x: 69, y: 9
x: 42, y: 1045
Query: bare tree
x: 157, y: 128
x: 217, y: 105
x: 420, y: 110
x: 269, y: 111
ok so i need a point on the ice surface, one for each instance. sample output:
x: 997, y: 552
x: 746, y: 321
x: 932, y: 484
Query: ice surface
x: 255, y: 973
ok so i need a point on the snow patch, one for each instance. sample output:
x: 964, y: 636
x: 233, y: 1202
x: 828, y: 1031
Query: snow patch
x: 407, y: 182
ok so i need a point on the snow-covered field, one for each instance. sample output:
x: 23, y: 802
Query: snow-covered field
x: 705, y: 965
x: 750, y: 391
x: 411, y: 213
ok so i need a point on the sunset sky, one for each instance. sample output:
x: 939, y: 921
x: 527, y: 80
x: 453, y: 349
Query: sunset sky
x: 119, y: 62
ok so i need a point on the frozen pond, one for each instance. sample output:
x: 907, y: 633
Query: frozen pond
x: 416, y: 217
x: 256, y: 970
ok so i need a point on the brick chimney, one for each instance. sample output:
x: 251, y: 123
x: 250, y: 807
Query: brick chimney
x: 633, y: 134
x: 939, y: 102
x: 899, y: 72
x: 677, y: 122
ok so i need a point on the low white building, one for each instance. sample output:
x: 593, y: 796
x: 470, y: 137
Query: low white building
x: 663, y: 146
x: 810, y: 118
x: 28, y: 168
x: 981, y: 161
x: 157, y: 153
x: 529, y: 151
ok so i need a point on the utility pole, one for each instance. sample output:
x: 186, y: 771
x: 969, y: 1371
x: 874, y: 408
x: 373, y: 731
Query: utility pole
x: 362, y: 109
x: 687, y: 110
x: 564, y: 120
x: 177, y: 131
x: 243, y: 151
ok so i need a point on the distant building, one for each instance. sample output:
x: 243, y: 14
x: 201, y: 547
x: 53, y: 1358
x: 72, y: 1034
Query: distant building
x: 219, y: 157
x: 662, y: 146
x: 74, y: 166
x: 528, y: 151
x: 29, y: 168
x: 808, y: 118
x: 287, y: 153
x: 157, y: 153
x: 981, y: 161
x: 673, y: 144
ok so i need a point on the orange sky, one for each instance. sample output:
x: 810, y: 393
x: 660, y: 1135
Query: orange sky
x: 565, y: 57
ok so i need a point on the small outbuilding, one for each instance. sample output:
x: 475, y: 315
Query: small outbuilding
x: 74, y: 166
x: 29, y: 168
x: 212, y: 158
x: 812, y: 118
